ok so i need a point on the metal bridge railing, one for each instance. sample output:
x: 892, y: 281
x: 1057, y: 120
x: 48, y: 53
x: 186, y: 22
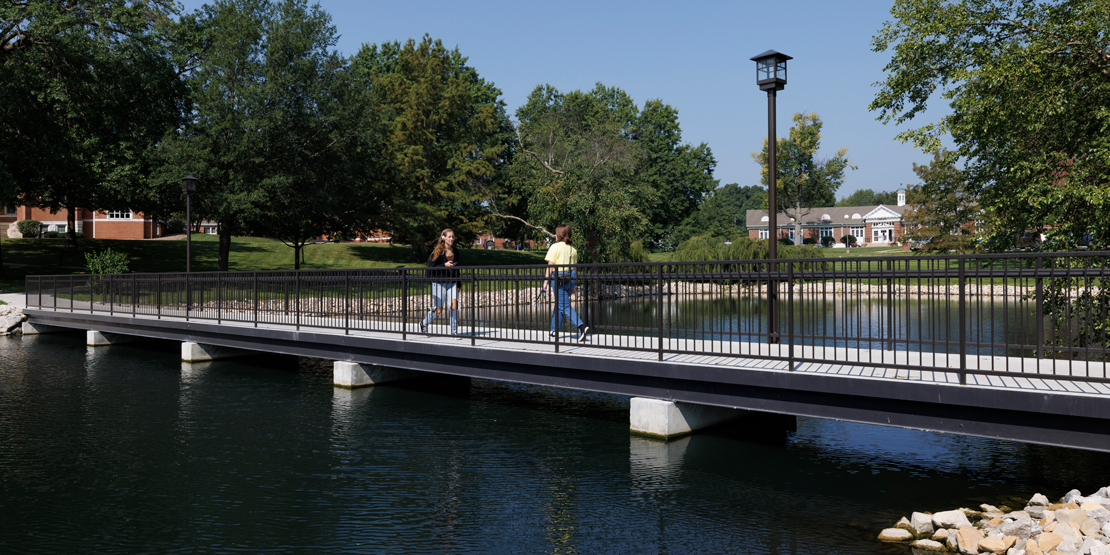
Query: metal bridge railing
x: 1037, y: 315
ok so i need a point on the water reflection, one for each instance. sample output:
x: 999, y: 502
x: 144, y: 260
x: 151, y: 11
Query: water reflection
x: 655, y: 465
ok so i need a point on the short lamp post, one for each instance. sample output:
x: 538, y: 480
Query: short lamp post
x: 770, y: 75
x: 188, y: 186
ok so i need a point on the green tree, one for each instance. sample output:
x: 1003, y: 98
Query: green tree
x: 723, y: 213
x: 577, y: 164
x: 275, y: 133
x: 1028, y: 83
x: 88, y: 89
x: 942, y: 210
x: 803, y: 181
x: 868, y: 197
x: 680, y: 174
x: 447, y: 136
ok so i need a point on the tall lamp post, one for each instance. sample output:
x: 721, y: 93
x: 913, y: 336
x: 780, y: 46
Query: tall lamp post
x: 188, y: 186
x: 770, y: 75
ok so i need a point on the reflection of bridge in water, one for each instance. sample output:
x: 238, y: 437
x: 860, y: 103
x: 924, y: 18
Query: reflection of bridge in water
x: 1004, y: 346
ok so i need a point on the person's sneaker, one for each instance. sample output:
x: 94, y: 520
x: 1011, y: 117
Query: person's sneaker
x: 583, y: 330
x: 553, y: 335
x: 423, y: 328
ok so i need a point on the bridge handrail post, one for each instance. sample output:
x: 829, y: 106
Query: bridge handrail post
x: 219, y: 298
x: 555, y: 296
x: 1039, y: 315
x: 297, y: 298
x: 254, y: 296
x: 659, y: 296
x: 55, y: 295
x: 72, y: 294
x: 111, y: 295
x: 473, y: 306
x: 404, y: 304
x: 346, y: 302
x: 134, y: 293
x: 790, y: 315
x: 188, y: 296
x: 963, y: 319
x: 158, y: 295
x: 890, y: 306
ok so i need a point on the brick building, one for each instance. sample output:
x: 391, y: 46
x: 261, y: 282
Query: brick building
x: 113, y: 224
x: 873, y: 226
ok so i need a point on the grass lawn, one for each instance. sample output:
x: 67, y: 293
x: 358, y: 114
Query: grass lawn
x: 24, y: 257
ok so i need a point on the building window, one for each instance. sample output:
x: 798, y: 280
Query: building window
x: 763, y: 234
x: 119, y: 214
x: 9, y: 210
x: 61, y: 228
x: 857, y: 232
x: 826, y: 232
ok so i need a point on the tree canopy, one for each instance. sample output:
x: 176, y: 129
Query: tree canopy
x: 723, y: 213
x: 868, y: 197
x: 447, y: 136
x: 1028, y: 83
x: 803, y: 181
x: 88, y: 90
x: 942, y: 213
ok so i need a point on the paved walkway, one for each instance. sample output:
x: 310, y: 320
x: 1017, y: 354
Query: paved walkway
x: 17, y: 299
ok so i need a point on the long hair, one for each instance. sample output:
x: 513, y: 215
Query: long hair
x: 441, y: 245
x: 563, y: 234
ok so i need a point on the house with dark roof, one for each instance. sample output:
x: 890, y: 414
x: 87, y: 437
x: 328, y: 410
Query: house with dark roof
x: 873, y: 226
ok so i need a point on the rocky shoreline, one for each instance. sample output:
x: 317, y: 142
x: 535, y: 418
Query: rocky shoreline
x: 1075, y: 525
x: 11, y: 319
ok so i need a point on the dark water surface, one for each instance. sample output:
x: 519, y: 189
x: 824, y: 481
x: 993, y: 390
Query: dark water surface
x: 126, y: 450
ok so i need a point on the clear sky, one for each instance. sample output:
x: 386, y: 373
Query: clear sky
x: 693, y: 55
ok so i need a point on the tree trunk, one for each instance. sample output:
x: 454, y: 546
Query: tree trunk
x: 297, y: 246
x: 225, y: 246
x: 71, y: 227
x: 592, y: 242
x: 798, y: 240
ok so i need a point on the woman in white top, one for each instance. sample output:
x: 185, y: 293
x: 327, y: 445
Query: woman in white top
x: 559, y: 257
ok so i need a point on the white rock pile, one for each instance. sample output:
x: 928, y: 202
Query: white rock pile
x: 11, y: 318
x: 1076, y: 525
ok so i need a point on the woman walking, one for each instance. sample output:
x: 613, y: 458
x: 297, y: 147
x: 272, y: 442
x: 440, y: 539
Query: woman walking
x: 560, y: 255
x: 445, y: 282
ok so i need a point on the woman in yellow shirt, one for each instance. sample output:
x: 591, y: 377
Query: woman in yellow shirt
x: 559, y: 257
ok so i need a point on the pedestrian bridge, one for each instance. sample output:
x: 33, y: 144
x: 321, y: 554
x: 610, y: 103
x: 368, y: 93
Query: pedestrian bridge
x: 1010, y: 347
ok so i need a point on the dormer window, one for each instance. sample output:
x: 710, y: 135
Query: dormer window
x: 765, y: 219
x: 856, y: 216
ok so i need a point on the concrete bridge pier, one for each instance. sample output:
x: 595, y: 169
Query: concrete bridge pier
x: 668, y: 420
x: 200, y: 352
x: 353, y: 374
x: 94, y: 338
x: 34, y: 329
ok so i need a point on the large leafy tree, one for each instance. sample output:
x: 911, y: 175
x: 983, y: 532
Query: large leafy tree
x: 942, y: 211
x: 577, y: 164
x: 446, y: 133
x: 868, y: 197
x: 1028, y: 83
x: 723, y: 213
x: 87, y: 88
x: 681, y: 175
x: 803, y: 180
x: 273, y: 137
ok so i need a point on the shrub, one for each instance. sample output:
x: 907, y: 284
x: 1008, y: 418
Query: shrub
x: 50, y: 234
x: 638, y: 252
x: 107, y: 261
x: 785, y: 241
x: 78, y: 235
x: 809, y: 241
x: 174, y: 227
x: 29, y: 228
x: 827, y: 241
x: 848, y: 239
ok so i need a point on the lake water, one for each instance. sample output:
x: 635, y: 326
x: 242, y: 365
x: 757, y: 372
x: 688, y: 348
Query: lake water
x: 124, y: 449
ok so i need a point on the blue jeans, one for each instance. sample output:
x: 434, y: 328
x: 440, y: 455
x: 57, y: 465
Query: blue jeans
x: 442, y: 295
x: 562, y: 287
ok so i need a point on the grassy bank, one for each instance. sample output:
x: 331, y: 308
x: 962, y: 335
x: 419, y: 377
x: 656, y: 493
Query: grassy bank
x: 23, y: 257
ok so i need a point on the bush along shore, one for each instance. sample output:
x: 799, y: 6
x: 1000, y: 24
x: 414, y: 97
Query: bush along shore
x: 1076, y: 525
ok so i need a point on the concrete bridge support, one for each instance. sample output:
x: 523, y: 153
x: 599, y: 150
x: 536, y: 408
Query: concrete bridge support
x: 353, y: 374
x: 199, y: 352
x: 671, y: 419
x: 95, y: 338
x: 34, y: 329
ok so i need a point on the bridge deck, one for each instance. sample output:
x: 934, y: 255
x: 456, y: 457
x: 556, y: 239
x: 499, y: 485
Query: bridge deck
x: 1044, y: 401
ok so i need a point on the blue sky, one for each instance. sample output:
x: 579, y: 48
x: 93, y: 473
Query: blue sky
x: 693, y: 55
